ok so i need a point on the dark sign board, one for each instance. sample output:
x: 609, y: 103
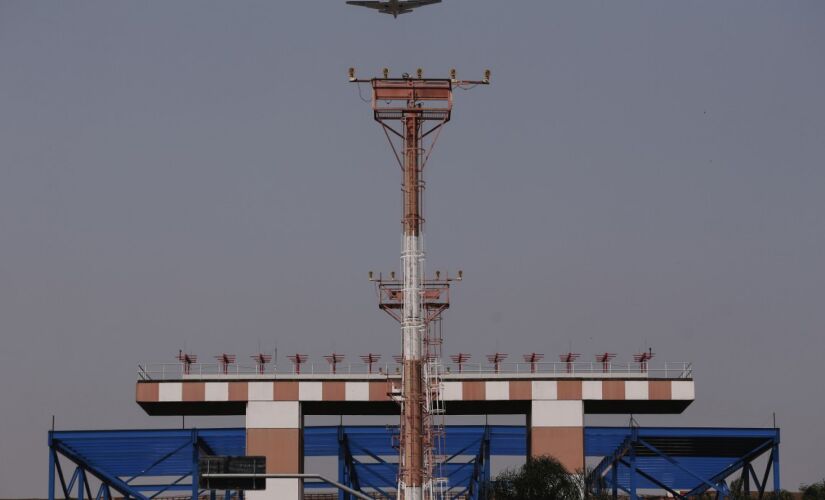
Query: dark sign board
x: 232, y: 465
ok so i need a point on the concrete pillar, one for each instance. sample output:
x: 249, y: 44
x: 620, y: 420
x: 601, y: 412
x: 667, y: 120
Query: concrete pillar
x: 274, y: 430
x: 557, y: 430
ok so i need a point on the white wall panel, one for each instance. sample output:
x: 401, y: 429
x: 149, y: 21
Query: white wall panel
x: 357, y: 391
x: 636, y: 389
x: 217, y: 391
x: 277, y: 489
x: 273, y: 415
x: 310, y: 391
x: 260, y: 391
x: 592, y: 389
x: 557, y: 414
x: 170, y: 391
x: 453, y: 391
x: 497, y: 390
x: 682, y: 389
x: 545, y: 390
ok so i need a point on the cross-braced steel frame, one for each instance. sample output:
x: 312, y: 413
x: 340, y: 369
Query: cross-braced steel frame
x: 151, y: 463
x: 468, y: 468
x: 654, y: 457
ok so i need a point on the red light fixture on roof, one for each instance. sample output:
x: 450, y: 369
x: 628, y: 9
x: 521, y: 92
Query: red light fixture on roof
x: 496, y: 359
x: 370, y: 359
x: 569, y: 358
x: 333, y: 360
x: 187, y: 360
x: 605, y: 358
x: 261, y: 360
x: 459, y: 359
x: 298, y: 360
x: 224, y: 360
x: 642, y: 358
x: 533, y: 358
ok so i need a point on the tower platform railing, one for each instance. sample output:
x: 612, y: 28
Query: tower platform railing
x: 596, y: 370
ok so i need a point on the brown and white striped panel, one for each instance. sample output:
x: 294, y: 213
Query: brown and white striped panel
x: 465, y: 390
x: 557, y: 429
x: 288, y: 390
x: 568, y: 390
x: 273, y: 430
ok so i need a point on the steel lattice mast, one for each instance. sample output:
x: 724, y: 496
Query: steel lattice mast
x: 409, y: 110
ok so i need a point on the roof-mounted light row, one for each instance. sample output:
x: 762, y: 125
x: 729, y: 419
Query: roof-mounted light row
x: 419, y: 74
x: 460, y: 359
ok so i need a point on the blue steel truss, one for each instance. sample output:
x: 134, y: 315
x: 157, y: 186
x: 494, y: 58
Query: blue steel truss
x: 143, y: 464
x: 367, y: 460
x: 140, y: 464
x: 685, y: 462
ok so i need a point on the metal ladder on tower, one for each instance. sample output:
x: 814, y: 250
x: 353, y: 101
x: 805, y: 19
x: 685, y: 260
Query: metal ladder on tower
x: 437, y: 482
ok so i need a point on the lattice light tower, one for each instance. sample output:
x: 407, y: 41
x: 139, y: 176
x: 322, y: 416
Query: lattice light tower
x: 410, y: 110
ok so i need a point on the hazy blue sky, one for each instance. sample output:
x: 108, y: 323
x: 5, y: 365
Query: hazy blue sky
x: 201, y: 173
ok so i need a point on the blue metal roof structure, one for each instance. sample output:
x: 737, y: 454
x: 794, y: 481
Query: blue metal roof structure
x: 136, y: 463
x: 367, y: 459
x: 683, y: 461
x: 510, y: 440
x: 142, y: 464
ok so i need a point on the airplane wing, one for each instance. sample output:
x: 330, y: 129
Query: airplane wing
x: 394, y: 8
x: 412, y: 4
x: 371, y: 5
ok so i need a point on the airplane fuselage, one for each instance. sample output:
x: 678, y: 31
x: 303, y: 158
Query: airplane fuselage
x: 393, y: 7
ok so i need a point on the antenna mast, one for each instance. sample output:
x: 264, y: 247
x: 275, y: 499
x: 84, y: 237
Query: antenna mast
x: 411, y: 110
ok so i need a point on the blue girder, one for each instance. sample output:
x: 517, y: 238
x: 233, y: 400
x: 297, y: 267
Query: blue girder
x: 683, y: 461
x: 140, y: 464
x: 367, y: 459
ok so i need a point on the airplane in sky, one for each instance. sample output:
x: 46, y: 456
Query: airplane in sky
x: 395, y: 7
